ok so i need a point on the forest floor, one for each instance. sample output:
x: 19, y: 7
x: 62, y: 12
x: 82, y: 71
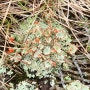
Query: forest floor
x: 71, y: 14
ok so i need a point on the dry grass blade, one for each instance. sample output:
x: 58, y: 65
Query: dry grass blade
x: 5, y: 18
x: 62, y: 78
x: 79, y: 70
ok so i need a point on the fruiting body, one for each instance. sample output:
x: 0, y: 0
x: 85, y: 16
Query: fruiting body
x: 11, y: 39
x: 10, y: 50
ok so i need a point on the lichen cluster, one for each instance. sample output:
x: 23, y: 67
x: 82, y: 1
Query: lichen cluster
x: 76, y: 85
x: 45, y: 47
x: 41, y: 46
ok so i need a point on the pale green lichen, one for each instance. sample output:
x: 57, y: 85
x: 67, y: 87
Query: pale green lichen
x: 24, y: 85
x: 76, y: 85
